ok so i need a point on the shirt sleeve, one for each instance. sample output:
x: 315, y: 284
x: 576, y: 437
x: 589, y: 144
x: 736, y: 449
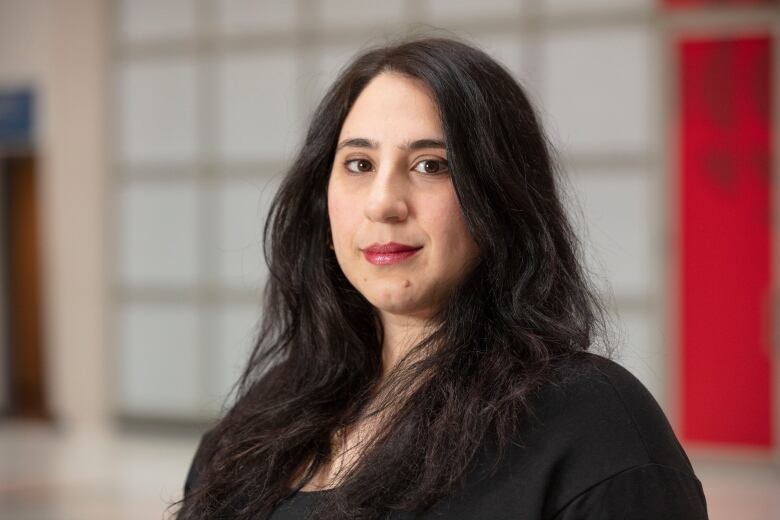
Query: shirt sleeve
x: 645, y: 492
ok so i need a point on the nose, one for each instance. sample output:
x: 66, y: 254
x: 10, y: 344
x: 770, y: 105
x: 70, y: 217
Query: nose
x: 387, y: 197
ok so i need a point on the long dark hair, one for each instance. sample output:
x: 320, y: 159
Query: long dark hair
x: 525, y: 306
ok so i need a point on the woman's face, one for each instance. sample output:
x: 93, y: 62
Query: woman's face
x: 390, y: 183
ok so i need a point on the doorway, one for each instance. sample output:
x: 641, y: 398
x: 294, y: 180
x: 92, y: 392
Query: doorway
x: 22, y: 341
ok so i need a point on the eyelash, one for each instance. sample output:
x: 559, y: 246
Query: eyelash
x: 442, y: 162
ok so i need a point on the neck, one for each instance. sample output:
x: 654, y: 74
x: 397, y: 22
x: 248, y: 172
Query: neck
x: 401, y: 333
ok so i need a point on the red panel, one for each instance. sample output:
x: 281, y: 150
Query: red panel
x: 725, y: 231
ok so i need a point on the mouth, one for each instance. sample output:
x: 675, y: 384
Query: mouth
x: 390, y: 253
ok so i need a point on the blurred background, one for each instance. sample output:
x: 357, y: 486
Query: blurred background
x: 141, y: 141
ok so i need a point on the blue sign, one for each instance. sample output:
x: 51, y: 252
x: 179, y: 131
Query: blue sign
x: 16, y: 117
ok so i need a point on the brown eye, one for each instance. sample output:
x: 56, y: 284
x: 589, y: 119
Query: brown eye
x: 431, y: 166
x: 358, y: 165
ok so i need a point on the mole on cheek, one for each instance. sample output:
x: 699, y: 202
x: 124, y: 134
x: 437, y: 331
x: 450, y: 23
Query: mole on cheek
x: 406, y: 283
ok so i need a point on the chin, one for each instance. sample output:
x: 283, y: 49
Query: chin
x: 399, y: 305
x: 391, y: 301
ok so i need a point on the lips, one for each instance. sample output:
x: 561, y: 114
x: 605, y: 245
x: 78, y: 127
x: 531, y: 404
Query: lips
x: 390, y: 253
x: 390, y: 247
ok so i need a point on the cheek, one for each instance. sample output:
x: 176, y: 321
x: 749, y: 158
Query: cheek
x: 344, y: 219
x: 450, y: 233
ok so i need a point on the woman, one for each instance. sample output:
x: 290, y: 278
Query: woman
x: 424, y: 347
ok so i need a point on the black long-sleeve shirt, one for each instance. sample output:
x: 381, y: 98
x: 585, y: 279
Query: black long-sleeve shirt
x: 598, y: 447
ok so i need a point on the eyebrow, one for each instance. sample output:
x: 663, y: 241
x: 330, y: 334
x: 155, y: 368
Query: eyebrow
x: 362, y: 142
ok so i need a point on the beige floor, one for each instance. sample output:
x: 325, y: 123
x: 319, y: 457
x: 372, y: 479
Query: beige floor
x: 48, y: 476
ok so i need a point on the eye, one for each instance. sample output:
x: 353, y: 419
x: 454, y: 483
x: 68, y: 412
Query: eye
x: 431, y: 166
x: 358, y: 165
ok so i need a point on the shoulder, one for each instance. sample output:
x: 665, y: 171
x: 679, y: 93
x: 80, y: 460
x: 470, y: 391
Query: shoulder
x: 596, y: 422
x: 611, y: 408
x: 595, y: 445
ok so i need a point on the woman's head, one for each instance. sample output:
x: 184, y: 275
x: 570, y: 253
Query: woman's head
x: 498, y: 272
x: 498, y: 174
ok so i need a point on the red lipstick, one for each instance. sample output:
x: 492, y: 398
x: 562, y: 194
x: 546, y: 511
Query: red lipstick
x: 389, y: 253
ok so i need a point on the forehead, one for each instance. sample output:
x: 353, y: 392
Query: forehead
x: 393, y: 105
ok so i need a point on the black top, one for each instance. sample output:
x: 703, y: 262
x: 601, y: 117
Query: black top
x: 598, y: 447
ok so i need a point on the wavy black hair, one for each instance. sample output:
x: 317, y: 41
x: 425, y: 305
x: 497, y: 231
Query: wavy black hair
x: 526, y: 305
